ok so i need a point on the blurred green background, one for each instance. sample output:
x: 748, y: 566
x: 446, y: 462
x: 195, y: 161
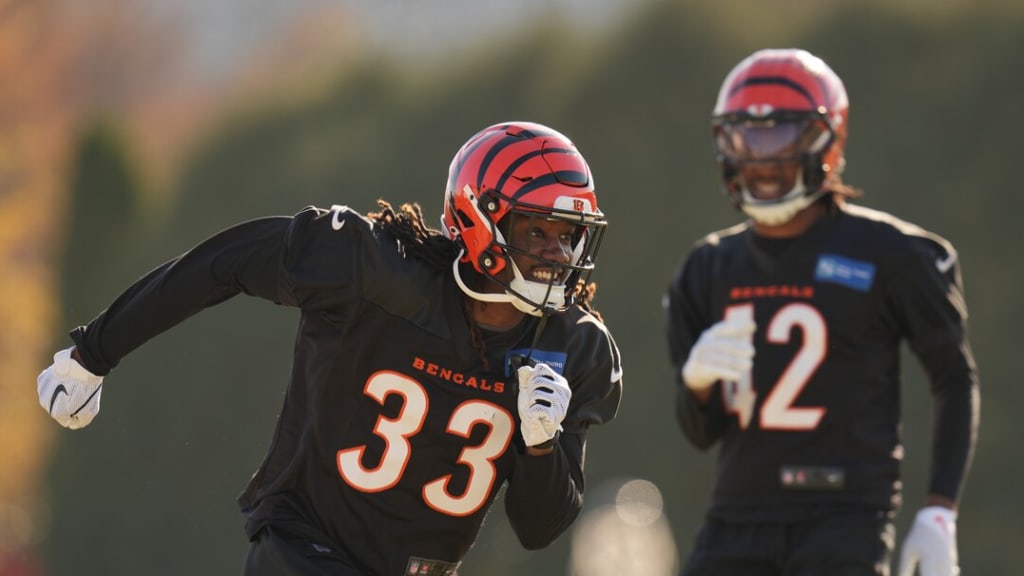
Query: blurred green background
x: 155, y: 127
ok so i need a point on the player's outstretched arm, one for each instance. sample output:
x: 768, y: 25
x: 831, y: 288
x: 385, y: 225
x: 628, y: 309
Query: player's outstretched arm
x: 245, y: 258
x: 242, y: 258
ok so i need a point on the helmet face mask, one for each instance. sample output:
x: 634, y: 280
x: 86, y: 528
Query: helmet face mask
x: 783, y: 111
x: 521, y: 172
x: 548, y: 254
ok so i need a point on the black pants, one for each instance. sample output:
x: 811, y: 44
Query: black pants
x: 275, y: 552
x: 848, y: 543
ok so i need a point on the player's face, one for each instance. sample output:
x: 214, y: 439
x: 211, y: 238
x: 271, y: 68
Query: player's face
x: 546, y: 244
x: 768, y: 153
x: 769, y: 180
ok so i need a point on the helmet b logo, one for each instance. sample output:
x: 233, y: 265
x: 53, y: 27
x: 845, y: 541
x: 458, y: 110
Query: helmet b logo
x: 577, y: 205
x: 760, y: 110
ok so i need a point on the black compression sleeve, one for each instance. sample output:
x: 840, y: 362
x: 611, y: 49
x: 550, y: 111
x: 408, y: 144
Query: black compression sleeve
x: 957, y: 396
x: 244, y: 258
x: 545, y: 493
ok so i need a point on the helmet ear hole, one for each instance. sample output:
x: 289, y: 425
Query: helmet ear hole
x: 464, y: 219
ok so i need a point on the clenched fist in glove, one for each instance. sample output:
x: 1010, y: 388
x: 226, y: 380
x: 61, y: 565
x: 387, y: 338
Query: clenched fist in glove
x: 69, y: 392
x: 932, y: 543
x: 725, y: 351
x: 543, y: 401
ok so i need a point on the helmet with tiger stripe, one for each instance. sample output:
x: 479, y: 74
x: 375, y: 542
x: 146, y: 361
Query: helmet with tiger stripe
x: 520, y: 169
x: 781, y: 108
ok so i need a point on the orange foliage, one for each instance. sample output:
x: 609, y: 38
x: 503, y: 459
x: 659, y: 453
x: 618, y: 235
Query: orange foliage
x: 45, y: 88
x: 60, y: 64
x: 32, y: 143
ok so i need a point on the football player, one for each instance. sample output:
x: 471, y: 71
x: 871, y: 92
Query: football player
x: 785, y: 333
x: 432, y: 367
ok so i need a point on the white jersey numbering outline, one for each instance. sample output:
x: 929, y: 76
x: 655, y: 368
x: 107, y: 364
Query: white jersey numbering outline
x: 397, y: 431
x: 778, y: 412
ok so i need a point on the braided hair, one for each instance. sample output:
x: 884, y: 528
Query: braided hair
x: 430, y: 246
x: 416, y: 238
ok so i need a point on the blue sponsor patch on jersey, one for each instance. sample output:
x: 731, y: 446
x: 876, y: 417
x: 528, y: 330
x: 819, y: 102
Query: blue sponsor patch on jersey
x: 854, y: 274
x: 516, y: 358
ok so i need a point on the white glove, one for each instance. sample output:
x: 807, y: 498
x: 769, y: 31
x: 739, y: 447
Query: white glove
x: 932, y: 542
x: 724, y: 351
x: 543, y: 401
x: 69, y: 392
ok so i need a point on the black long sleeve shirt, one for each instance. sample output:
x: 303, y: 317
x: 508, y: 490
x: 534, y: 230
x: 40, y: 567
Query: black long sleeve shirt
x: 395, y: 435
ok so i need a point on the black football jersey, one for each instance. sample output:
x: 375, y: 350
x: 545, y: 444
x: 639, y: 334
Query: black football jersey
x: 816, y: 421
x: 396, y: 432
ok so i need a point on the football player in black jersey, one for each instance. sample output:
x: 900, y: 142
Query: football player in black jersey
x: 431, y: 367
x: 785, y: 333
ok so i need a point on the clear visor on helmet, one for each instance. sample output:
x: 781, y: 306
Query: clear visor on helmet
x: 773, y: 138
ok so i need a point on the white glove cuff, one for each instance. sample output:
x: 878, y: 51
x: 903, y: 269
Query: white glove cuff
x: 66, y: 366
x: 939, y: 514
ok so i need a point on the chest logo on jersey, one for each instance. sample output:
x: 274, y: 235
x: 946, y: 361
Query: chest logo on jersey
x: 460, y: 378
x: 517, y: 358
x: 771, y: 291
x: 855, y: 274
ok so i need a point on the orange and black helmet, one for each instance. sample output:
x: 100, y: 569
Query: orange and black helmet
x: 528, y: 169
x: 781, y: 105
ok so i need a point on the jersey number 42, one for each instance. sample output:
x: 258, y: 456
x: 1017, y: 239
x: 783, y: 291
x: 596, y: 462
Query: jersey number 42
x: 778, y: 411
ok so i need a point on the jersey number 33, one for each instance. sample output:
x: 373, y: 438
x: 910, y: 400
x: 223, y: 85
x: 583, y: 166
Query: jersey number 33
x: 397, y: 431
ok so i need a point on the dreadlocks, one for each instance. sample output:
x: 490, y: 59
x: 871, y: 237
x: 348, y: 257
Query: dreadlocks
x: 417, y: 239
x: 427, y: 245
x: 583, y: 294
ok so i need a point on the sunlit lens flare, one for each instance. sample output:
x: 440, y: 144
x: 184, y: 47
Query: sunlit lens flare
x: 628, y: 536
x: 638, y: 502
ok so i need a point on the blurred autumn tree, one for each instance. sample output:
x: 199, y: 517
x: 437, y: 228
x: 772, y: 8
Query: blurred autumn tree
x: 64, y: 68
x: 57, y: 63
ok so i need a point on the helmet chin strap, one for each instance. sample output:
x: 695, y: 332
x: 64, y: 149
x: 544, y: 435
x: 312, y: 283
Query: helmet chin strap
x: 520, y: 304
x: 552, y: 297
x: 550, y: 294
x: 782, y: 209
